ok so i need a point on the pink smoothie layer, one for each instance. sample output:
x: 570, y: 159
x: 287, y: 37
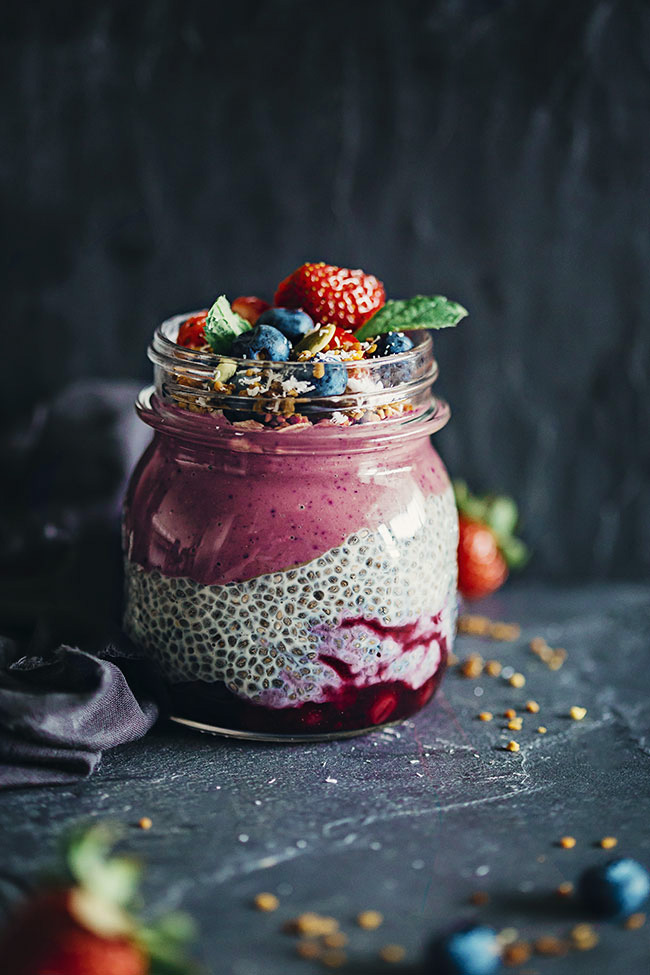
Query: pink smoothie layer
x: 220, y: 516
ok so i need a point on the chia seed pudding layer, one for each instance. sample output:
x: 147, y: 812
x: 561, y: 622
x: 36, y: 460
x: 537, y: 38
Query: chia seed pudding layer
x: 374, y: 613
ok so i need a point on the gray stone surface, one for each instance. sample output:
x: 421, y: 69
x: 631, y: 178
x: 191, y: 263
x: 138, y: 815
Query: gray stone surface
x: 410, y: 820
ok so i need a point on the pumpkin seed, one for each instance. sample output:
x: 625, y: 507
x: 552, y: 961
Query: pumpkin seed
x: 316, y: 341
x: 225, y: 370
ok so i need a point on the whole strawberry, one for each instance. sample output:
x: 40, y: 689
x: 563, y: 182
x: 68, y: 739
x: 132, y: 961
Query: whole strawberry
x: 79, y: 924
x: 487, y: 546
x: 332, y: 295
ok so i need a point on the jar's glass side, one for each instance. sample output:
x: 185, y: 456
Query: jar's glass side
x: 298, y: 594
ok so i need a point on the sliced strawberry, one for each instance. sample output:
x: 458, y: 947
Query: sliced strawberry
x: 332, y: 294
x: 190, y: 334
x: 249, y: 307
x: 344, y: 339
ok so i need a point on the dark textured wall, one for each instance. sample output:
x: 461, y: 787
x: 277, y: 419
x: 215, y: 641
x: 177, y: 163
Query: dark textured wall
x: 157, y: 153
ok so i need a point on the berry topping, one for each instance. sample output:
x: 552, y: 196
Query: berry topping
x: 191, y: 334
x: 332, y: 294
x: 487, y: 546
x: 292, y: 322
x: 262, y: 342
x: 344, y: 339
x: 314, y: 342
x: 250, y: 308
x: 471, y: 950
x: 392, y: 343
x: 327, y: 378
x: 615, y: 889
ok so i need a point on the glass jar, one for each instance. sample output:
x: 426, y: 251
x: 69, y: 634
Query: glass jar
x: 290, y: 561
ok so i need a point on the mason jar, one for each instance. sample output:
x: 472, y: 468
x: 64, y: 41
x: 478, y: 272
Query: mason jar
x: 290, y: 562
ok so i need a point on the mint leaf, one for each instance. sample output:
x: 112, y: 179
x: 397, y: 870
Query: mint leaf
x: 434, y: 311
x: 223, y: 325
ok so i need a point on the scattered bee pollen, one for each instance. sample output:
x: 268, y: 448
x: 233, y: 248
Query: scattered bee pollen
x: 532, y: 707
x: 550, y: 945
x: 517, y: 680
x: 313, y: 925
x: 145, y: 823
x: 577, y: 713
x: 608, y: 842
x: 266, y: 902
x: 513, y: 746
x: 485, y: 716
x: 472, y: 666
x: 493, y: 668
x: 514, y: 724
x: 392, y: 953
x: 517, y: 953
x: 584, y: 937
x: 635, y: 921
x: 567, y: 842
x: 508, y: 632
x: 369, y: 920
x: 541, y: 730
x: 510, y: 713
x: 308, y: 949
x: 337, y: 939
x: 565, y: 889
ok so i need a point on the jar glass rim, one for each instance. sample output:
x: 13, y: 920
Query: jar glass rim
x: 248, y: 393
x: 164, y: 349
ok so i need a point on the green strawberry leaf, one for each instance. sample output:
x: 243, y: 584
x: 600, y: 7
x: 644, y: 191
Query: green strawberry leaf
x: 514, y: 551
x: 222, y: 325
x: 502, y: 515
x: 87, y: 854
x: 165, y: 941
x: 499, y: 513
x: 434, y: 311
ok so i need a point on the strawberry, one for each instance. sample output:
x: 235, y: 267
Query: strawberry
x: 81, y: 925
x: 249, y: 308
x: 343, y: 339
x: 332, y: 295
x: 190, y: 334
x: 487, y: 547
x: 46, y: 936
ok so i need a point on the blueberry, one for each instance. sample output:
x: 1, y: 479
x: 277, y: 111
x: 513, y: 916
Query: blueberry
x: 333, y: 382
x: 470, y: 950
x: 262, y: 342
x: 616, y: 888
x: 391, y: 343
x: 292, y: 322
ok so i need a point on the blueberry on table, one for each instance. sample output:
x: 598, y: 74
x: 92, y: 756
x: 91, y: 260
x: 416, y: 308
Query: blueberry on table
x: 327, y: 378
x: 471, y: 950
x: 262, y: 342
x: 616, y: 888
x: 292, y: 322
x: 392, y: 343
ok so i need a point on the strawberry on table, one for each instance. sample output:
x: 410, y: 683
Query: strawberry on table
x: 487, y: 546
x: 332, y: 294
x: 80, y: 924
